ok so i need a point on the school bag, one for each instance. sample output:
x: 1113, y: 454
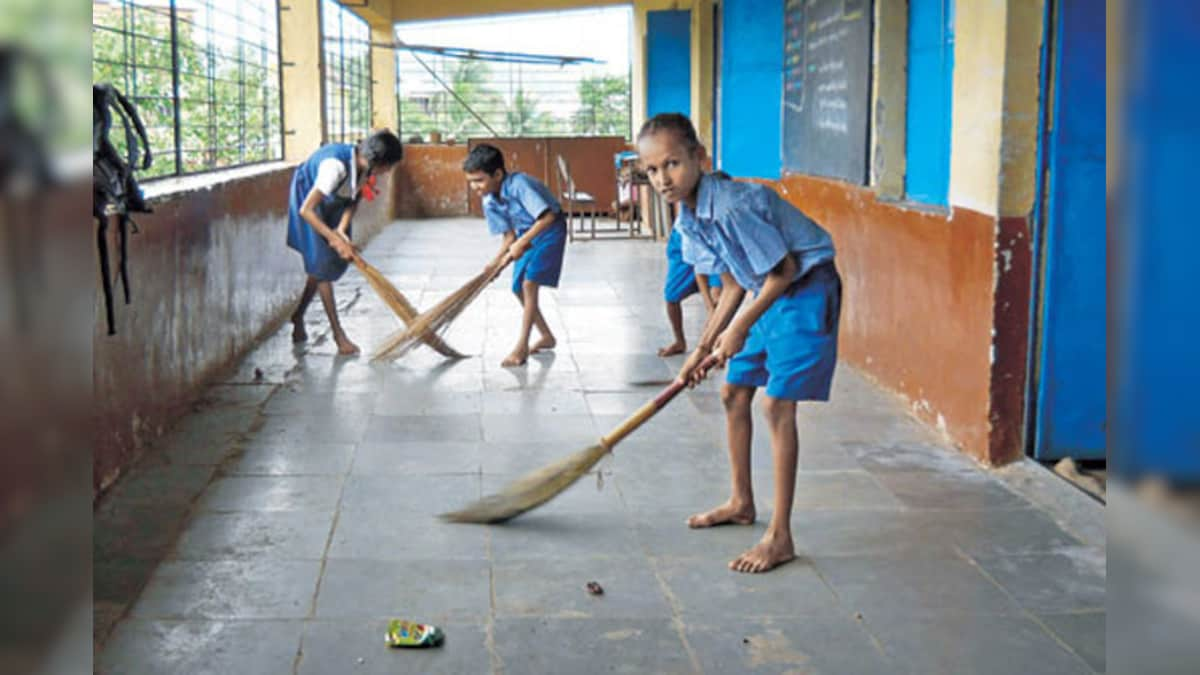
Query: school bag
x: 114, y: 189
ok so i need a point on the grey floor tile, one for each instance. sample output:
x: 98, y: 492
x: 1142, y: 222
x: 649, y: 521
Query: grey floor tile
x: 379, y: 533
x: 326, y: 403
x: 625, y: 646
x: 419, y: 401
x: 308, y: 428
x: 409, y: 496
x: 871, y: 533
x: 143, y: 531
x: 1072, y: 579
x: 407, y: 458
x: 529, y: 427
x: 297, y: 458
x: 272, y: 493
x: 434, y: 590
x: 829, y: 643
x: 457, y: 428
x: 1084, y: 633
x: 556, y: 588
x: 882, y: 457
x: 165, y: 484
x: 358, y: 647
x: 271, y: 535
x: 1000, y: 532
x: 840, y: 490
x: 200, y: 647
x: 982, y: 645
x: 545, y: 534
x: 227, y: 589
x: 929, y: 490
x: 912, y: 585
x: 704, y: 588
x: 534, y: 401
x: 666, y: 534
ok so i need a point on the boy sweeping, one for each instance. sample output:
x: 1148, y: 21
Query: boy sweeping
x: 682, y: 281
x: 786, y: 338
x: 525, y: 212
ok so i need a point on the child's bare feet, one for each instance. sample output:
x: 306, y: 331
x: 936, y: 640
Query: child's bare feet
x: 518, y: 357
x: 546, y: 343
x: 767, y: 554
x: 346, y: 347
x: 298, y: 332
x: 728, y: 513
x: 672, y: 349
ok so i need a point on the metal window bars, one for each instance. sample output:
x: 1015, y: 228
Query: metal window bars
x: 461, y: 93
x: 204, y: 74
x: 346, y: 64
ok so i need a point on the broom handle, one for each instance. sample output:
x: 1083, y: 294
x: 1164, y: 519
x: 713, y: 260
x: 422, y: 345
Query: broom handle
x: 647, y: 411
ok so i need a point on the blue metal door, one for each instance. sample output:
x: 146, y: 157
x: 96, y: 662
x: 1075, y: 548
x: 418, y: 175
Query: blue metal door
x: 668, y: 62
x: 1070, y: 392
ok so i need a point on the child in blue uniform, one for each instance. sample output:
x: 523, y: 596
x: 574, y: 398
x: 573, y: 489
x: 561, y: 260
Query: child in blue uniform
x: 525, y: 212
x: 682, y: 281
x: 324, y: 194
x: 786, y: 338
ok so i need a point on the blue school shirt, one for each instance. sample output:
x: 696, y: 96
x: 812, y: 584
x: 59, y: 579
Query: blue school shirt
x: 746, y: 229
x: 521, y: 200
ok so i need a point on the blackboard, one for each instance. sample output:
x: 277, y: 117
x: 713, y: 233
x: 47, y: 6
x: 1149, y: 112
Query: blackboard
x: 826, y: 87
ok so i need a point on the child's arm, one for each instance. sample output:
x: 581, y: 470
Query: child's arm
x: 506, y: 241
x: 337, y: 241
x: 518, y: 248
x: 727, y: 306
x: 705, y: 292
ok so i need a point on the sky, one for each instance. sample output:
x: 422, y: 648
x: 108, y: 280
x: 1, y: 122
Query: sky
x: 600, y: 33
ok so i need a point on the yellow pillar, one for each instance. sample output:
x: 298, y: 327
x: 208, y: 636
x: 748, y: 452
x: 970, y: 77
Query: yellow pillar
x: 702, y: 70
x: 1022, y: 91
x: 300, y: 52
x: 383, y: 79
x: 637, y: 85
x: 889, y: 97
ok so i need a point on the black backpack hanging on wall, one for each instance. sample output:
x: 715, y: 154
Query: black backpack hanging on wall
x: 114, y: 189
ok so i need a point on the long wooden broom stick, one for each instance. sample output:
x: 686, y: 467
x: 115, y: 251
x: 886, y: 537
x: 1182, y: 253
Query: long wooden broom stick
x: 540, y: 486
x: 439, y: 317
x: 399, y: 304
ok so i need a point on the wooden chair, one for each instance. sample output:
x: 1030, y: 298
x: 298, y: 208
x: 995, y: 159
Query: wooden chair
x: 575, y: 201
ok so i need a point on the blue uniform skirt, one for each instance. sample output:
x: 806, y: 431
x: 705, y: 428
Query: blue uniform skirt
x: 792, y: 348
x: 320, y: 260
x: 542, y: 263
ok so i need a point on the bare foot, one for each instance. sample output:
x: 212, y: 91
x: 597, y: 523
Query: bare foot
x: 516, y: 358
x: 346, y: 347
x: 767, y: 554
x: 725, y: 514
x: 298, y: 332
x: 546, y: 343
x: 673, y: 349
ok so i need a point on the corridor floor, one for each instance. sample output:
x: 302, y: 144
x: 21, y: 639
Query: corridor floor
x: 279, y: 526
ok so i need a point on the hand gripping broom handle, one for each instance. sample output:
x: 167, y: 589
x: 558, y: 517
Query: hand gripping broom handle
x: 647, y: 411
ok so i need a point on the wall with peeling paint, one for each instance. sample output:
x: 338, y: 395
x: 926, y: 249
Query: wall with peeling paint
x: 210, y: 274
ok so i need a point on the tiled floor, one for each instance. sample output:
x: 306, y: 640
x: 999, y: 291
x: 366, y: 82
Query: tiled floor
x: 279, y: 526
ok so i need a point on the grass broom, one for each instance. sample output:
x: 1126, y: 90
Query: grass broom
x: 540, y: 486
x: 399, y: 304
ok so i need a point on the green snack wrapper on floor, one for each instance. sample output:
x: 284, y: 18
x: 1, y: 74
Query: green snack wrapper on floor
x: 403, y: 633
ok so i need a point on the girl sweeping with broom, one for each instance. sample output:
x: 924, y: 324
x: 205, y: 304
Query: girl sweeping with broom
x: 784, y: 341
x: 324, y: 195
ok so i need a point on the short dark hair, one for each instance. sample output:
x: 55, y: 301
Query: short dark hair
x: 484, y: 157
x: 722, y: 175
x: 676, y: 123
x: 381, y: 148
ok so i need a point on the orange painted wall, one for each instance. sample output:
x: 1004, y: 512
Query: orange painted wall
x: 918, y: 301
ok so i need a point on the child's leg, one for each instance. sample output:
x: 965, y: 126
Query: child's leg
x: 675, y: 314
x: 310, y: 289
x: 548, y: 340
x: 345, y: 346
x: 776, y: 546
x: 739, y: 426
x: 529, y: 301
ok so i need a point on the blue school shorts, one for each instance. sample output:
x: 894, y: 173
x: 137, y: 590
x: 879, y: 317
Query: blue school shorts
x: 542, y: 263
x: 792, y: 348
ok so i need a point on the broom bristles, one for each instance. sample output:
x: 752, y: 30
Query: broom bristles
x: 400, y: 305
x: 434, y: 320
x: 529, y: 491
